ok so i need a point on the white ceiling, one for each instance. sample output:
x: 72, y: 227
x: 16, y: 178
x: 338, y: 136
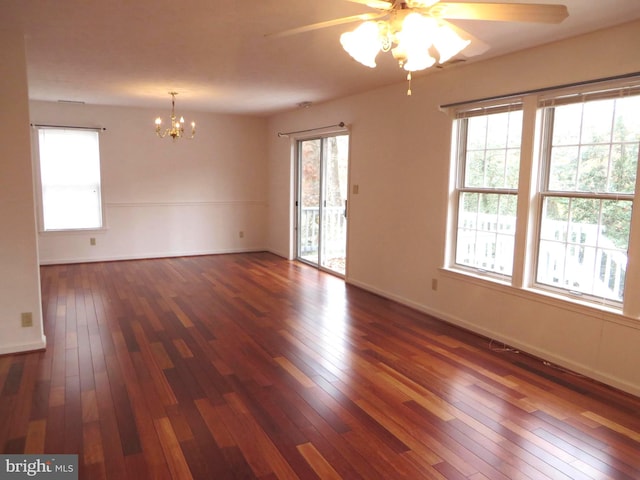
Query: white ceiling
x: 215, y: 53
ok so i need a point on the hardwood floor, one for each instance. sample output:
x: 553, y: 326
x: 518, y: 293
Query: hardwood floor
x: 250, y: 366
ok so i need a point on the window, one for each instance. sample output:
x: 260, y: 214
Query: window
x: 69, y: 178
x: 579, y: 169
x: 488, y: 164
x: 589, y: 176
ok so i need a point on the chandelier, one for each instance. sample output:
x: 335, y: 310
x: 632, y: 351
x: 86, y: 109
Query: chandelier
x: 415, y: 40
x: 176, y: 130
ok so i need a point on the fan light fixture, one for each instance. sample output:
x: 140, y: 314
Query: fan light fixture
x: 416, y: 38
x: 418, y: 32
x: 176, y: 130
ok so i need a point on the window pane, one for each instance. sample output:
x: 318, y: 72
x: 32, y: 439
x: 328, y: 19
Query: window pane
x: 477, y: 133
x: 584, y: 239
x: 564, y: 168
x: 513, y: 168
x: 493, y: 150
x: 474, y: 169
x: 595, y: 146
x: 556, y: 213
x: 592, y: 172
x: 597, y: 121
x: 70, y: 178
x: 497, y: 130
x: 515, y: 129
x: 616, y: 224
x: 467, y: 223
x: 624, y: 164
x: 583, y: 245
x: 496, y: 166
x: 486, y: 231
x: 486, y: 220
x: 627, y: 121
x: 567, y: 121
x: 310, y: 158
x: 69, y: 208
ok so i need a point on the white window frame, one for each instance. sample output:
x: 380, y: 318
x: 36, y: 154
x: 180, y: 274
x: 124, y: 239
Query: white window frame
x: 530, y: 202
x: 39, y: 188
x: 547, y: 108
x: 459, y: 155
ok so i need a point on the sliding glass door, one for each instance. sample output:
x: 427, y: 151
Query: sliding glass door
x: 323, y: 165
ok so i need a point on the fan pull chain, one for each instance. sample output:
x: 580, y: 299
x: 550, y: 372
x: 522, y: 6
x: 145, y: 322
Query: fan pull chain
x: 409, y: 80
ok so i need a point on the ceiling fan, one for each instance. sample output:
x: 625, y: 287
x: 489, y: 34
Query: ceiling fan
x: 418, y: 33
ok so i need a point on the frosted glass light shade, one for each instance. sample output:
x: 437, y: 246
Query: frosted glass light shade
x: 363, y: 44
x: 414, y: 41
x: 448, y: 43
x: 417, y: 29
x: 418, y: 60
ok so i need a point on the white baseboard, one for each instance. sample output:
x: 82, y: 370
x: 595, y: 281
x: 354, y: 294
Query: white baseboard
x: 24, y: 347
x: 146, y: 256
x: 279, y: 254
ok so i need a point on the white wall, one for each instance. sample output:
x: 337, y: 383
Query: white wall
x: 163, y: 198
x: 400, y: 150
x: 19, y: 272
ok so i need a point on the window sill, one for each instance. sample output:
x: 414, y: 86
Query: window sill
x: 74, y: 231
x: 576, y: 305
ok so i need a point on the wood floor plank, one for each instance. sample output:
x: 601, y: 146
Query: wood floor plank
x: 615, y: 455
x: 92, y: 444
x: 173, y: 453
x: 109, y: 432
x: 255, y: 367
x: 517, y: 446
x: 295, y: 372
x: 89, y: 406
x: 213, y: 420
x: 277, y: 463
x: 36, y: 435
x: 319, y: 464
x: 243, y: 439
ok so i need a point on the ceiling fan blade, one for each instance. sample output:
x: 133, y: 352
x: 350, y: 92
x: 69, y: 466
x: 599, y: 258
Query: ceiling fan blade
x: 329, y: 23
x: 476, y: 47
x: 505, y: 12
x: 379, y: 4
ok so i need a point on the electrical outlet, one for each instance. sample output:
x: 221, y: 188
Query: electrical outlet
x: 241, y: 234
x: 434, y: 284
x: 27, y: 319
x: 92, y: 241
